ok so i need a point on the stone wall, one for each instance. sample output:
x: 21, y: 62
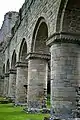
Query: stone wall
x: 8, y: 23
x: 43, y: 31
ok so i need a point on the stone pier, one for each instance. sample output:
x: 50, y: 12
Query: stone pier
x: 6, y: 84
x: 21, y: 83
x: 12, y: 83
x: 64, y: 77
x: 37, y: 80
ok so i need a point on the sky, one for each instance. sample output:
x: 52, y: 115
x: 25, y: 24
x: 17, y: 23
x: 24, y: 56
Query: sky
x: 9, y: 5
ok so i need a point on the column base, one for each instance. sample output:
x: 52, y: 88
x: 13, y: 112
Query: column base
x: 20, y: 104
x: 63, y: 116
x: 36, y: 110
x: 11, y: 99
x: 36, y: 107
x: 57, y: 118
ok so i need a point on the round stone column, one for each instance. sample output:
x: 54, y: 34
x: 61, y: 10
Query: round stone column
x: 6, y: 84
x: 21, y: 83
x: 64, y: 77
x: 12, y: 83
x: 37, y: 80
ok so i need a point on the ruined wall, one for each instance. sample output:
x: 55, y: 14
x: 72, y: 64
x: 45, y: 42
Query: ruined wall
x: 25, y: 25
x: 64, y: 49
x: 5, y: 35
x: 8, y: 23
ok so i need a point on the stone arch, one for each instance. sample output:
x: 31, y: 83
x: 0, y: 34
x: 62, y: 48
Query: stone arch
x: 39, y: 42
x: 23, y: 50
x: 60, y: 15
x: 22, y: 74
x: 71, y: 20
x: 7, y: 66
x: 12, y: 77
x: 38, y: 65
x: 40, y: 35
x: 13, y: 61
x: 68, y: 19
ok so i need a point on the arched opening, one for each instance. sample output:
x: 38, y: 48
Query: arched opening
x: 68, y: 17
x: 12, y: 77
x: 40, y: 46
x: 22, y: 74
x: 71, y: 18
x: 41, y: 64
x: 39, y: 38
x: 7, y: 66
x: 3, y: 71
x: 23, y: 51
x: 42, y: 34
x: 13, y: 62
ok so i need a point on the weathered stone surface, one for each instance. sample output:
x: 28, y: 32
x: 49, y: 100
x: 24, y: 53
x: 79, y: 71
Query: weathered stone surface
x: 64, y: 78
x: 21, y: 82
x: 6, y: 85
x: 37, y: 85
x: 12, y: 84
x: 40, y: 29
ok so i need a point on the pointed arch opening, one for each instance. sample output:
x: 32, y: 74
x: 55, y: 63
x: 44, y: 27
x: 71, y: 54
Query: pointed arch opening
x: 40, y: 35
x: 7, y: 66
x: 3, y: 71
x: 71, y: 17
x: 13, y: 62
x: 68, y: 17
x: 22, y: 71
x: 23, y: 50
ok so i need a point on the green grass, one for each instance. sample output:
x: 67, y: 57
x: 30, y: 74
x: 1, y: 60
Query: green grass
x: 10, y: 112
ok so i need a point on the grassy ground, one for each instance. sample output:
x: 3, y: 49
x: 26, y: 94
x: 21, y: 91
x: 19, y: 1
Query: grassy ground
x: 10, y: 112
